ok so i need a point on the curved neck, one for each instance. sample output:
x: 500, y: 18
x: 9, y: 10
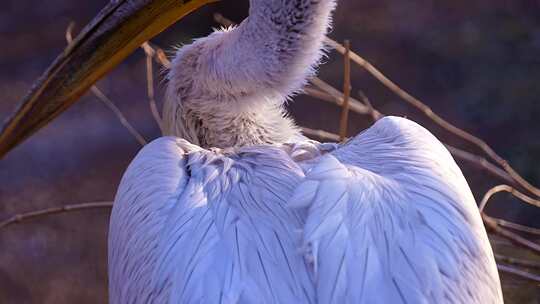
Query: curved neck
x: 246, y: 74
x: 280, y: 42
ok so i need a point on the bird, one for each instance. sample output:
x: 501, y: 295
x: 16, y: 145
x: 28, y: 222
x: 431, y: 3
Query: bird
x: 235, y: 205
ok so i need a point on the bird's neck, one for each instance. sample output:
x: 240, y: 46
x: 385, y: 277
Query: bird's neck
x: 229, y: 88
x: 223, y: 128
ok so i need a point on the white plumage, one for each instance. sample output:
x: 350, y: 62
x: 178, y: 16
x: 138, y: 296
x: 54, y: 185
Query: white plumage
x: 252, y: 212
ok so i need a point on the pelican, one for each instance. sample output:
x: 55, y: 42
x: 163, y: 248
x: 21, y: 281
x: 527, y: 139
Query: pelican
x: 235, y: 205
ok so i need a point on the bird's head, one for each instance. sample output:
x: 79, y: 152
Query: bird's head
x: 120, y: 28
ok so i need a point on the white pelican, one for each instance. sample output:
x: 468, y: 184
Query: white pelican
x: 236, y: 206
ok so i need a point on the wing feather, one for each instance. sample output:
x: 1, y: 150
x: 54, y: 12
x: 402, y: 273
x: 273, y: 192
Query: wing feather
x: 392, y: 220
x: 219, y: 232
x: 386, y: 218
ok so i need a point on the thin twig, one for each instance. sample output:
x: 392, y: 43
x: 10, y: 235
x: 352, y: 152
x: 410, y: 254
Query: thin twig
x: 344, y: 121
x: 518, y: 272
x: 162, y: 59
x: 321, y: 134
x: 517, y: 227
x: 150, y: 86
x: 506, y: 188
x: 55, y: 210
x: 361, y: 108
x: 481, y: 163
x: 434, y: 117
x: 319, y: 94
x: 219, y: 18
x: 103, y: 98
x: 69, y: 32
x: 518, y: 262
x: 492, y: 224
x: 99, y: 94
x: 328, y: 93
x: 499, y: 241
x: 375, y: 115
x: 157, y: 53
x: 354, y: 104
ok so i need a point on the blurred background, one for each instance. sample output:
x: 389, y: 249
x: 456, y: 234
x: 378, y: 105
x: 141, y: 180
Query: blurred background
x: 474, y: 62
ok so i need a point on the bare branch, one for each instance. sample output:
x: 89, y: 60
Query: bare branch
x: 219, y: 18
x: 481, y: 163
x: 375, y: 115
x: 19, y: 218
x: 319, y: 94
x: 338, y: 98
x: 492, y: 224
x: 97, y: 92
x: 69, y: 32
x: 321, y: 134
x: 518, y: 262
x: 157, y: 53
x: 434, y: 117
x: 103, y: 98
x: 518, y: 272
x: 506, y: 188
x: 150, y: 85
x: 344, y: 121
x: 330, y: 94
x: 517, y: 227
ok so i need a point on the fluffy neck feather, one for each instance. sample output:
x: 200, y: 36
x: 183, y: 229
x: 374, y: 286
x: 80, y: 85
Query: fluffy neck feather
x: 228, y: 89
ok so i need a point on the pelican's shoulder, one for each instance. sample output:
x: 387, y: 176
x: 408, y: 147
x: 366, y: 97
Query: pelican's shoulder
x: 398, y: 128
x: 158, y: 168
x: 393, y: 198
x: 398, y: 138
x: 406, y: 153
x: 396, y: 123
x: 187, y: 218
x: 148, y: 192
